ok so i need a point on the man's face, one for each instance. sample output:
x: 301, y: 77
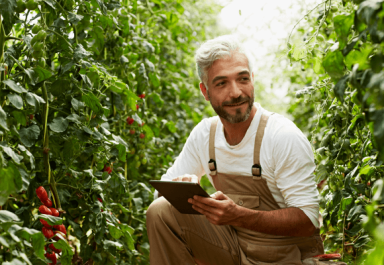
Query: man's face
x: 231, y: 90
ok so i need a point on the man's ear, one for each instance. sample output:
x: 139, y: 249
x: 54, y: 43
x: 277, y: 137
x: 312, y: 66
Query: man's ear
x: 204, y: 91
x: 253, y: 77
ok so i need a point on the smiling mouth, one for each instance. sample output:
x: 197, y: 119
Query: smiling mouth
x: 235, y: 105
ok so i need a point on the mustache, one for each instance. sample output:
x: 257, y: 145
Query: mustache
x: 236, y: 101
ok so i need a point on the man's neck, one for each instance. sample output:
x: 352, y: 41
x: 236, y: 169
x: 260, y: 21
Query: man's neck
x: 235, y: 132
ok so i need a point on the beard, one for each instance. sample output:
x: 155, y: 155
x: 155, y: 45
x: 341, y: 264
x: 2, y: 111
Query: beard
x: 238, y: 117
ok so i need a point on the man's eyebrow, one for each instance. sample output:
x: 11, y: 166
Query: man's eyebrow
x: 218, y: 78
x: 224, y: 77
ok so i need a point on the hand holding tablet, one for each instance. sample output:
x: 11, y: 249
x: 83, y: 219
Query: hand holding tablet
x: 178, y: 193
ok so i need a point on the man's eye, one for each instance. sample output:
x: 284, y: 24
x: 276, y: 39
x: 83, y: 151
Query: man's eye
x: 245, y: 78
x: 220, y: 84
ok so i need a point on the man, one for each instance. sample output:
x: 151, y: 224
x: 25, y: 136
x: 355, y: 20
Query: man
x: 266, y: 208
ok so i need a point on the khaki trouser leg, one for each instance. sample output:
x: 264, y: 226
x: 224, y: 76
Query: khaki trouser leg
x: 181, y: 238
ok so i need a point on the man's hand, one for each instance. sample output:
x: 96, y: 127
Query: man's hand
x: 219, y: 209
x: 187, y: 178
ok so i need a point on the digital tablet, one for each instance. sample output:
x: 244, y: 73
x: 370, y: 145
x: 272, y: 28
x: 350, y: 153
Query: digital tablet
x: 178, y: 193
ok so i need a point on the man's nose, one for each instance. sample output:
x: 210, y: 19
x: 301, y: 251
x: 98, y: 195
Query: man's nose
x: 234, y: 90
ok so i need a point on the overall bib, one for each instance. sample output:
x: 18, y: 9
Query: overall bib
x: 181, y: 239
x: 252, y: 192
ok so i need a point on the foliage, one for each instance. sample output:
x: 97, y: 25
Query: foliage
x: 74, y: 73
x: 340, y: 53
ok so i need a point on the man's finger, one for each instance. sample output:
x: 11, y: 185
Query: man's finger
x: 203, y: 206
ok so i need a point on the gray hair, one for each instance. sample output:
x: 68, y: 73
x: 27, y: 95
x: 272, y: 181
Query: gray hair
x: 215, y: 49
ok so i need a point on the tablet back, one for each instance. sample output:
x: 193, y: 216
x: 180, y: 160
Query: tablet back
x: 178, y: 193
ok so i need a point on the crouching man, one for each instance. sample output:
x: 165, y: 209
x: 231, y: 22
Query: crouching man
x: 266, y: 207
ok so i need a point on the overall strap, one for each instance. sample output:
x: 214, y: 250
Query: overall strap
x: 256, y: 168
x: 212, y: 158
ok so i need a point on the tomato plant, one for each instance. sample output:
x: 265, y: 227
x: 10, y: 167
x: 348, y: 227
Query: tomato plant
x: 339, y: 54
x: 76, y: 78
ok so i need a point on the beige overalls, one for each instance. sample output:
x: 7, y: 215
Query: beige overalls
x: 179, y: 238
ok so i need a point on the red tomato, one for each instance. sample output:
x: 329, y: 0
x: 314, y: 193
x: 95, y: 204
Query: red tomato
x: 47, y: 203
x: 61, y: 228
x: 54, y: 212
x: 44, y: 210
x: 41, y: 193
x: 100, y: 200
x: 51, y: 256
x: 132, y: 131
x: 47, y: 232
x: 137, y: 106
x: 45, y: 223
x: 31, y: 116
x: 107, y: 169
x: 142, y: 135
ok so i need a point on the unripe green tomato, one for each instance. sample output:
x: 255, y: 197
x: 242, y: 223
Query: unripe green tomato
x: 142, y: 146
x: 41, y: 62
x: 36, y: 28
x: 138, y: 164
x: 37, y: 54
x: 133, y: 151
x: 357, y: 201
x: 20, y: 6
x: 334, y: 9
x: 320, y: 37
x: 142, y: 155
x: 144, y: 161
x: 38, y: 46
x: 137, y: 158
x: 31, y: 5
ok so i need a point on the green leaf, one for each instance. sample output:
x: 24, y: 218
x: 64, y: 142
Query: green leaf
x: 15, y: 157
x: 15, y: 100
x: 7, y: 7
x: 41, y: 74
x: 34, y: 100
x: 299, y: 51
x: 93, y: 103
x: 80, y: 53
x: 8, y: 217
x: 171, y: 126
x: 52, y: 220
x: 77, y: 105
x: 148, y: 132
x: 158, y: 100
x: 340, y: 87
x: 378, y: 130
x: 74, y: 18
x: 342, y: 24
x: 67, y: 252
x: 317, y: 67
x: 28, y: 136
x: 11, y: 182
x: 15, y: 87
x: 358, y: 57
x: 122, y: 152
x: 362, y: 241
x: 31, y: 157
x: 345, y: 202
x: 131, y: 99
x: 333, y: 64
x: 20, y: 117
x: 3, y: 119
x: 59, y: 87
x: 100, y: 3
x: 38, y: 239
x: 59, y: 124
x: 137, y: 119
x: 115, y: 232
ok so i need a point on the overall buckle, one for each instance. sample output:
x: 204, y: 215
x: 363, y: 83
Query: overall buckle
x: 256, y: 170
x: 212, y: 166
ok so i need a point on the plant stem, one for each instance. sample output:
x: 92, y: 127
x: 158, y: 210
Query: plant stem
x: 51, y: 179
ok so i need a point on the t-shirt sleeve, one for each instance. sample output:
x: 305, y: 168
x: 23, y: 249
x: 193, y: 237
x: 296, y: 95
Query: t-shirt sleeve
x: 294, y: 166
x: 188, y: 161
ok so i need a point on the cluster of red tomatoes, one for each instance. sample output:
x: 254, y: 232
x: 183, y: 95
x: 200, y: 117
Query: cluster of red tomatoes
x: 47, y: 230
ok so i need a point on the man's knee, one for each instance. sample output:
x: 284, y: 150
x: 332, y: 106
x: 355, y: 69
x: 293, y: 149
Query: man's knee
x: 157, y: 209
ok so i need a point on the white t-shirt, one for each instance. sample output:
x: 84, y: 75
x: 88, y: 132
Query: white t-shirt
x: 285, y: 156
